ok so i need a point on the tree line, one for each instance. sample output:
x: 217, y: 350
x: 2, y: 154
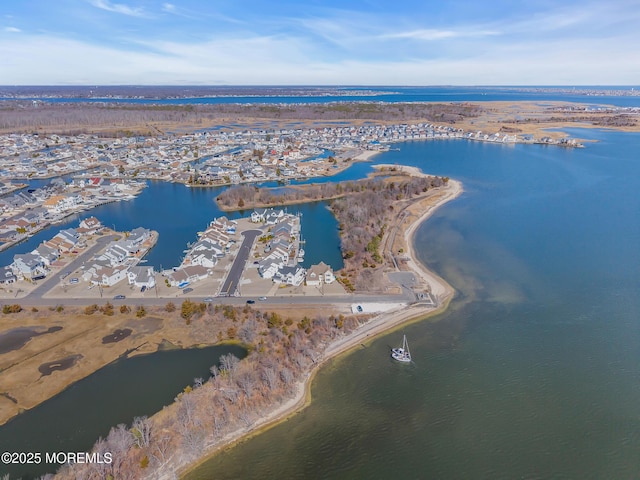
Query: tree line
x: 237, y: 394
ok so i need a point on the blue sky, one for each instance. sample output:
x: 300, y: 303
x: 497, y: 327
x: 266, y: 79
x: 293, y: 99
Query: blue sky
x: 362, y: 42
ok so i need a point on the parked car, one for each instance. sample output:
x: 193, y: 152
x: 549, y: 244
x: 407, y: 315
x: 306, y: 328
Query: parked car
x: 74, y: 280
x: 143, y: 288
x: 187, y: 290
x: 119, y: 297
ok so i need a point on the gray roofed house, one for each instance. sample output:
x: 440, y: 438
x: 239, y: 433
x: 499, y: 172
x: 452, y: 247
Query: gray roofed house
x: 139, y: 235
x: 48, y: 254
x: 142, y: 276
x: 7, y: 276
x: 29, y: 265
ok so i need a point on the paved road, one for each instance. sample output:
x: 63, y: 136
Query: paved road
x: 230, y: 285
x: 51, y: 282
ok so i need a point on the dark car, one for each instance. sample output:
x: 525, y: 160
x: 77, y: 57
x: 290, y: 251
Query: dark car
x: 250, y: 302
x: 187, y: 290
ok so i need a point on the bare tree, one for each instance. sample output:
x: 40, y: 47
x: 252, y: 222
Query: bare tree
x: 247, y: 381
x: 228, y: 363
x: 287, y: 376
x: 270, y: 377
x: 160, y: 448
x: 141, y: 430
x: 186, y: 411
x: 193, y: 441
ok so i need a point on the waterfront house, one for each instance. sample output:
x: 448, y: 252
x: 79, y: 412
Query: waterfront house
x: 115, y: 254
x: 29, y: 266
x: 139, y: 235
x: 188, y: 274
x: 258, y: 215
x: 89, y: 226
x: 320, y: 274
x: 48, y: 254
x: 204, y: 258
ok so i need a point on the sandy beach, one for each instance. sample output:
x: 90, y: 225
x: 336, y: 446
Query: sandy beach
x: 380, y: 324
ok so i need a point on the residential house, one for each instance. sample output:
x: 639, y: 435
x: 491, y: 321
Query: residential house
x: 142, y: 277
x: 89, y: 226
x: 139, y: 235
x: 320, y: 274
x: 188, y: 274
x: 29, y: 266
x: 109, y: 276
x: 48, y: 254
x: 290, y: 275
x: 7, y: 276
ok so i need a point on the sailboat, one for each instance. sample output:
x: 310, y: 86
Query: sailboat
x: 402, y: 354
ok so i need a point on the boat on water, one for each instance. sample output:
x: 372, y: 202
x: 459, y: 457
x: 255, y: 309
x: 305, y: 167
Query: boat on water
x: 402, y: 354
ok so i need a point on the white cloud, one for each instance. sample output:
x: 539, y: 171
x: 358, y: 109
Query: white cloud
x: 435, y: 34
x: 12, y: 30
x: 168, y: 7
x: 118, y: 8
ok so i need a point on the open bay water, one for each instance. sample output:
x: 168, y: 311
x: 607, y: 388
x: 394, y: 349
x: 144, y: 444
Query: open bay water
x: 533, y: 371
x: 392, y: 94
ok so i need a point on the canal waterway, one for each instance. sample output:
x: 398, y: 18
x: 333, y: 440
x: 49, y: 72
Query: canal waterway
x: 74, y: 419
x: 177, y: 213
x: 534, y: 370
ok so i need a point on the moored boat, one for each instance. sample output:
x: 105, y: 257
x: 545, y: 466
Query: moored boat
x: 402, y: 354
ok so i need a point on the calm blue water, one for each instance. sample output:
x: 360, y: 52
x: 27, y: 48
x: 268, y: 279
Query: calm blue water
x: 533, y: 372
x: 177, y: 213
x: 389, y: 94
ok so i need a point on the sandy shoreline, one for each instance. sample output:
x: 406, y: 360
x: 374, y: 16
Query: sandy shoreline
x: 383, y: 323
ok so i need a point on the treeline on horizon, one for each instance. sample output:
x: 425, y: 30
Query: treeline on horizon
x: 171, y: 91
x: 123, y: 119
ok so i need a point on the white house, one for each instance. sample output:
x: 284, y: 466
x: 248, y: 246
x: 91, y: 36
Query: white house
x: 7, y: 276
x: 189, y: 274
x: 320, y: 274
x: 29, y: 266
x: 109, y: 276
x: 142, y: 277
x: 290, y: 275
x: 139, y: 235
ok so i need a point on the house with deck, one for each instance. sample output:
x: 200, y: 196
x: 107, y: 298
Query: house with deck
x: 142, y: 276
x: 320, y: 274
